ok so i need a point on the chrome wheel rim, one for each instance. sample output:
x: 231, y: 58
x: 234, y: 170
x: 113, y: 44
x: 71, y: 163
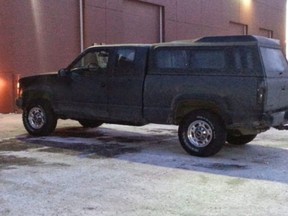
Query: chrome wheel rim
x: 36, y: 117
x: 200, y: 133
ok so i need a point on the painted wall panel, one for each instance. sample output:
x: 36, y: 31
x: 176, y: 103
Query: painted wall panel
x: 41, y: 36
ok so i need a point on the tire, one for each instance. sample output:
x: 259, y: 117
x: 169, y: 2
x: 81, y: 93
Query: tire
x: 202, y: 133
x: 240, y: 140
x: 39, y: 118
x: 90, y: 124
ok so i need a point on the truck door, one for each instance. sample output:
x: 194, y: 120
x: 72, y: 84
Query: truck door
x: 89, y: 83
x: 126, y: 84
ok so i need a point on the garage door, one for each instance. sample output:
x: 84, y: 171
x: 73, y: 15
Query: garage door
x: 141, y: 22
x: 130, y: 22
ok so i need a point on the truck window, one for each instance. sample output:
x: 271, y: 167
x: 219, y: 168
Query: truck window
x: 274, y: 61
x: 171, y: 59
x: 207, y: 60
x: 96, y: 60
x: 125, y: 60
x: 244, y: 60
x: 187, y: 60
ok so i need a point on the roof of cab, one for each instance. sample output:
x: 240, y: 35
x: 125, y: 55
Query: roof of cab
x: 119, y: 45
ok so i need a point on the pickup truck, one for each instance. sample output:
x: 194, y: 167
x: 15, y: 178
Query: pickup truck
x: 217, y: 89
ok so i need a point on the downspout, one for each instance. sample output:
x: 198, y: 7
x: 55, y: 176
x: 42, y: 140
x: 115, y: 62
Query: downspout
x: 161, y: 39
x: 81, y: 25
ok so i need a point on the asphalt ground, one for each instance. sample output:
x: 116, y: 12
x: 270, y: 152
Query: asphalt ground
x: 123, y: 170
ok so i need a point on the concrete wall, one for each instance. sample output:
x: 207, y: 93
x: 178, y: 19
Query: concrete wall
x: 40, y: 36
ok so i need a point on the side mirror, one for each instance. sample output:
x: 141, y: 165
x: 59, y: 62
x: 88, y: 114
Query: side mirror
x: 63, y: 72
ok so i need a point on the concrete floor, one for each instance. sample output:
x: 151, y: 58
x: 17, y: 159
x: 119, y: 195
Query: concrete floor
x: 122, y: 170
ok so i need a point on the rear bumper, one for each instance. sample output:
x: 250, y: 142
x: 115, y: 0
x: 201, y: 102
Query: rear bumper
x: 266, y: 121
x: 276, y: 119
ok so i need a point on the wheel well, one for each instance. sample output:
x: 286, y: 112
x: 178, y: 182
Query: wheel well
x: 36, y: 96
x: 186, y: 108
x: 42, y: 100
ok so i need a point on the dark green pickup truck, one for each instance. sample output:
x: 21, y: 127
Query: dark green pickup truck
x: 217, y: 89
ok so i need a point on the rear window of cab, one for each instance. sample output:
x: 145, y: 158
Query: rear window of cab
x: 212, y: 60
x: 274, y: 61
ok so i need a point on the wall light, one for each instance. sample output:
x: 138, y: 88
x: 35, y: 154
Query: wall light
x: 247, y: 4
x: 2, y: 84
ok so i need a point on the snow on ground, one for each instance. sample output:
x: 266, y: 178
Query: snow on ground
x: 124, y: 170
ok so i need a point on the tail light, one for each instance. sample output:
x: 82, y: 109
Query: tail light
x: 261, y: 94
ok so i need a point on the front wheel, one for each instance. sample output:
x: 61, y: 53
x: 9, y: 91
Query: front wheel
x: 202, y: 133
x: 39, y: 118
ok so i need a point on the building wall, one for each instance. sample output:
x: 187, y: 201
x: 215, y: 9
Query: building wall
x: 41, y: 36
x: 35, y: 36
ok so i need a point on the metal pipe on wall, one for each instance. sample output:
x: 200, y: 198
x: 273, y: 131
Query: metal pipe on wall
x: 161, y: 25
x: 81, y: 8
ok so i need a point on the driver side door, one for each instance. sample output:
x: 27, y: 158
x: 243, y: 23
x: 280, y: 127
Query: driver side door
x: 89, y: 84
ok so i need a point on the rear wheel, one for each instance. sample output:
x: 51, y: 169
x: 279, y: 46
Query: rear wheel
x: 240, y: 140
x: 39, y: 118
x: 90, y: 124
x: 202, y: 133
